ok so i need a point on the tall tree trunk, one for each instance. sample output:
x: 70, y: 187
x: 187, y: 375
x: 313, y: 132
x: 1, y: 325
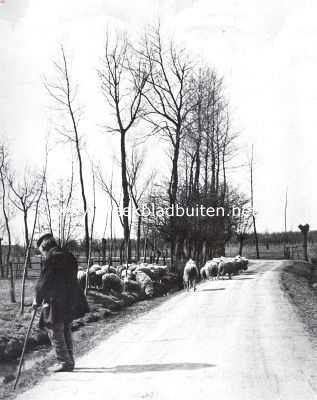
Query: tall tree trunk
x: 206, y: 165
x: 83, y: 194
x: 91, y: 232
x: 173, y: 193
x: 26, y: 235
x: 78, y: 152
x: 126, y: 197
x: 241, y: 240
x: 138, y: 239
x: 28, y: 250
x: 198, y: 161
x: 218, y: 162
x: 8, y: 256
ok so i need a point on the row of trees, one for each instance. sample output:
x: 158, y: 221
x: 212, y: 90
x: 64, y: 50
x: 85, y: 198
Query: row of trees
x: 156, y: 85
x: 185, y: 106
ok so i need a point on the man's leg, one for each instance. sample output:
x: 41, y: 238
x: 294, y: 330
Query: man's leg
x: 57, y: 337
x: 69, y: 341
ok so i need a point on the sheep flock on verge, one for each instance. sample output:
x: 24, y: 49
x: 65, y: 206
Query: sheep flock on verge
x: 152, y: 280
x: 147, y: 279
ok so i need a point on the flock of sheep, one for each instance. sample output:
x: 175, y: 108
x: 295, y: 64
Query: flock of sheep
x: 148, y: 279
x: 213, y: 269
x: 156, y: 280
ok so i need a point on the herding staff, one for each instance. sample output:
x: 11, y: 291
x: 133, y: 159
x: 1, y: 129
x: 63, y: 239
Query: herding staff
x: 24, y: 347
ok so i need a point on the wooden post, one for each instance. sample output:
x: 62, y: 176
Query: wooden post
x: 304, y: 229
x: 12, y: 284
x: 103, y: 249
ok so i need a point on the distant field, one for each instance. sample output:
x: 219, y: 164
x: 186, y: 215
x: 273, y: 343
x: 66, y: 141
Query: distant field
x: 275, y: 251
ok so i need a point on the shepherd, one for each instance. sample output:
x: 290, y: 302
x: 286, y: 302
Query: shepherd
x: 61, y: 298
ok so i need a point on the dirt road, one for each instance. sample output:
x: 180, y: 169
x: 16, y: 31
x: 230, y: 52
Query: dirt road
x: 237, y: 339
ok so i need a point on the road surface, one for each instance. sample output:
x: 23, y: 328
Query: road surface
x: 238, y: 339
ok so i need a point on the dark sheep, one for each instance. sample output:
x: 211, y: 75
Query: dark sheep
x: 132, y: 286
x: 203, y: 273
x: 242, y: 262
x: 229, y: 267
x: 159, y: 289
x: 170, y: 281
x: 111, y: 281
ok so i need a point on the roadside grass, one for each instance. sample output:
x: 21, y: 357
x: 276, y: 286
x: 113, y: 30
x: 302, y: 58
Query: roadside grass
x: 11, y: 309
x: 10, y: 320
x: 299, y: 279
x: 12, y: 325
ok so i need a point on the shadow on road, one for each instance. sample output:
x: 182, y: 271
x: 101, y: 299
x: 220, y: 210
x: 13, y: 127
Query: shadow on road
x: 243, y: 279
x: 135, y: 369
x: 250, y: 273
x: 211, y: 290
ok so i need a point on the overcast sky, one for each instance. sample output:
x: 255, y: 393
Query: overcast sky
x: 266, y: 51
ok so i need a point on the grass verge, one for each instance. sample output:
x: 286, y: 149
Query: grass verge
x: 299, y: 279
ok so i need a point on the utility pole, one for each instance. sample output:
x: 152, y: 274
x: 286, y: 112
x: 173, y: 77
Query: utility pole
x: 252, y: 206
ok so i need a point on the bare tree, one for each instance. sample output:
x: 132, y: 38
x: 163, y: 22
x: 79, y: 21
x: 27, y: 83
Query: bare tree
x: 61, y: 214
x: 206, y: 152
x: 110, y: 191
x: 123, y: 77
x: 24, y: 196
x: 3, y: 177
x: 137, y: 189
x: 169, y: 101
x: 42, y: 179
x: 111, y: 222
x: 64, y: 93
x: 243, y: 227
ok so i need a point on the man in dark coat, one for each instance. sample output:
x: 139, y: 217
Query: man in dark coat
x: 62, y: 300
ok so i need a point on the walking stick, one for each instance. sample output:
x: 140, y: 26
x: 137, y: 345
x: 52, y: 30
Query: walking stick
x: 24, y: 347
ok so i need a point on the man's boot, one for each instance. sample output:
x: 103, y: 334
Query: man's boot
x: 61, y: 368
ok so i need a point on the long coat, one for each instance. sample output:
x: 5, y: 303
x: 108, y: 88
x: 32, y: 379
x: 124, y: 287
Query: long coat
x: 58, y: 289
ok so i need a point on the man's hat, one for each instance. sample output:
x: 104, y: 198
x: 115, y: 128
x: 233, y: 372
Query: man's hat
x: 43, y: 237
